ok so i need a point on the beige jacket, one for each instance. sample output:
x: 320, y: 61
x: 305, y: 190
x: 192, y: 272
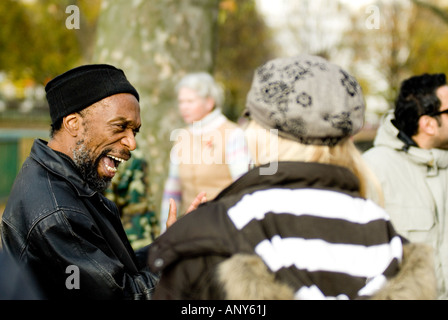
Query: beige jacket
x: 415, y: 186
x: 204, y: 168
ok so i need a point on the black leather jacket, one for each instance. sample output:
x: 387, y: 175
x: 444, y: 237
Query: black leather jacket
x: 70, y: 236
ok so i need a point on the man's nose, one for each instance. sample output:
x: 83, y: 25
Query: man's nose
x: 129, y: 140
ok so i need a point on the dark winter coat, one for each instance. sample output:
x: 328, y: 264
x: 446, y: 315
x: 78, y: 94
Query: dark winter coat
x: 302, y: 233
x: 69, y: 236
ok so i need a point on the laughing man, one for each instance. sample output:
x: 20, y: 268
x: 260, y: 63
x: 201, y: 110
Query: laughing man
x: 57, y: 221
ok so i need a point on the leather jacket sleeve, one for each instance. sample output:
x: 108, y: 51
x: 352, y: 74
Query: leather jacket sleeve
x: 69, y: 236
x: 101, y: 273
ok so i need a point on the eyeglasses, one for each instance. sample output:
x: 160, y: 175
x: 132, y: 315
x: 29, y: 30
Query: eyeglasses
x: 437, y: 113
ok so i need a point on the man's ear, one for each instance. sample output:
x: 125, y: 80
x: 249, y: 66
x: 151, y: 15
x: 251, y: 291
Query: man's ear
x: 72, y: 124
x: 428, y: 125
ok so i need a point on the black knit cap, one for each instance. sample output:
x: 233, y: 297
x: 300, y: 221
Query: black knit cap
x: 82, y: 86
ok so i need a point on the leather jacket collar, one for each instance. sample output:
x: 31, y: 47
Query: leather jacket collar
x: 61, y: 165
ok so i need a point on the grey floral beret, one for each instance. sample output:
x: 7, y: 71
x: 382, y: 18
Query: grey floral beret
x: 307, y: 99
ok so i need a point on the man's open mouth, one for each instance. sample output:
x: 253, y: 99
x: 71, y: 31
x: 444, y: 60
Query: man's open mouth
x: 112, y: 162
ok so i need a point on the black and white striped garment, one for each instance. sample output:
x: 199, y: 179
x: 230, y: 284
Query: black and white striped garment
x: 323, y: 243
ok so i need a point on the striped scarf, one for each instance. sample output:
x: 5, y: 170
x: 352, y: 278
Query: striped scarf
x: 327, y: 245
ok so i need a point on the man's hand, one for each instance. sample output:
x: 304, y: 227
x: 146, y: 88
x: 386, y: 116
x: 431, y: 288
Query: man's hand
x: 172, y: 214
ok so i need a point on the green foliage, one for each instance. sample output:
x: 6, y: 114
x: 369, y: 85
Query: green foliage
x: 429, y: 42
x: 34, y: 40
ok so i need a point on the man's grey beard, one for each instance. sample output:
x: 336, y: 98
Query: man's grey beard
x: 88, y: 167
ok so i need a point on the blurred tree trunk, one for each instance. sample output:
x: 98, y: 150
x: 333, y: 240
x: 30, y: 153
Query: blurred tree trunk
x: 156, y: 42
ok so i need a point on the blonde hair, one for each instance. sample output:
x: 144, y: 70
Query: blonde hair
x: 266, y: 146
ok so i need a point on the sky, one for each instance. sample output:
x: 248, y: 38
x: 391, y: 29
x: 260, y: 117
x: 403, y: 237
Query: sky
x: 317, y: 25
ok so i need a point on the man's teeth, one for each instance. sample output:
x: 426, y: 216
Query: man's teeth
x: 114, y: 169
x: 111, y: 169
x: 118, y: 159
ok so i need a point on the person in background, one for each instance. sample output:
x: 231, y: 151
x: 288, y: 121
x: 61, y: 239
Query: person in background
x: 410, y: 159
x: 208, y: 154
x: 305, y: 229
